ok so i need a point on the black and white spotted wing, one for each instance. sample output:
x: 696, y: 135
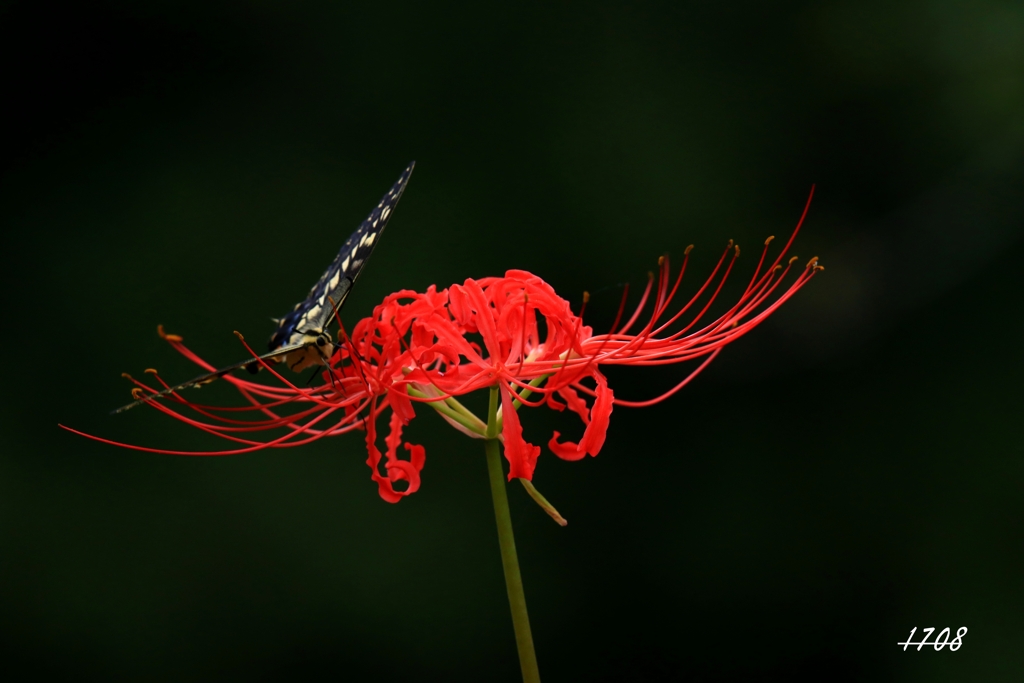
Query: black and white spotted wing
x: 297, y: 331
x: 312, y: 313
x: 204, y: 379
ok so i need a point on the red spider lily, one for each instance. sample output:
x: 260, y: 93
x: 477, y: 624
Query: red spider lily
x: 435, y: 346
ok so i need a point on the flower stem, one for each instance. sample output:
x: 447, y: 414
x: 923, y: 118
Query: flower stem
x: 458, y: 413
x: 535, y: 382
x: 509, y: 559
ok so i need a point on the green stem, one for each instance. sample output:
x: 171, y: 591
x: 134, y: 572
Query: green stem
x: 463, y: 416
x: 463, y: 409
x: 525, y: 393
x: 516, y: 403
x: 509, y: 559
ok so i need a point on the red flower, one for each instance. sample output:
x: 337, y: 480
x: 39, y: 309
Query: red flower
x: 435, y: 346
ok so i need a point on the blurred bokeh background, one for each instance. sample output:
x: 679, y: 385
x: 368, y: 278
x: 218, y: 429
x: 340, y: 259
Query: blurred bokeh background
x: 847, y: 472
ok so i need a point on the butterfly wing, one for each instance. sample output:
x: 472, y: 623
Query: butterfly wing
x: 336, y: 282
x: 314, y: 311
x: 211, y: 376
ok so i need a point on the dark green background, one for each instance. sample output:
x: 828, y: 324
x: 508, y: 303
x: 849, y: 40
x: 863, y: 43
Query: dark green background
x: 849, y: 471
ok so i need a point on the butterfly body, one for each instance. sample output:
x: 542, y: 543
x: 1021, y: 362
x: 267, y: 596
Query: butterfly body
x: 305, y: 351
x: 302, y: 339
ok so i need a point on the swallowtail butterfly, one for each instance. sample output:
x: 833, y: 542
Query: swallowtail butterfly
x: 301, y: 339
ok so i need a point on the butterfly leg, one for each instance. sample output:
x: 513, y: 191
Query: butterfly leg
x: 327, y: 364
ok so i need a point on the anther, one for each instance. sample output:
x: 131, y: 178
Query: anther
x: 769, y: 240
x: 737, y: 250
x: 137, y: 393
x: 686, y: 252
x: 730, y: 244
x: 812, y: 262
x: 776, y: 269
x: 819, y: 267
x: 793, y: 259
x: 168, y: 337
x: 126, y: 376
x: 586, y: 296
x: 239, y: 335
x: 151, y: 371
x: 661, y: 260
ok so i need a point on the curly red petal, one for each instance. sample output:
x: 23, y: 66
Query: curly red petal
x: 521, y: 455
x: 397, y: 470
x: 596, y: 421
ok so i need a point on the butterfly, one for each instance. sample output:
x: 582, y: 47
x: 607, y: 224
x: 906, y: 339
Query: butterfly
x: 302, y: 339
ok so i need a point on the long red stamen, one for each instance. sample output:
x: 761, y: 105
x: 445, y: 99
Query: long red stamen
x: 639, y: 306
x: 799, y: 224
x: 622, y: 307
x: 522, y: 340
x: 353, y: 355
